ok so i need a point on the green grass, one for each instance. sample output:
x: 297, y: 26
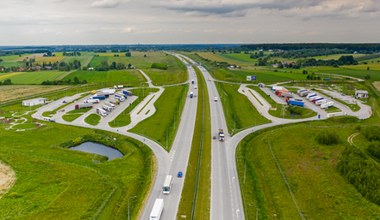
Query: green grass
x: 125, y: 77
x: 57, y: 183
x: 175, y: 73
x: 310, y: 168
x: 24, y: 78
x: 277, y: 109
x: 162, y: 126
x: 74, y: 114
x: 199, y: 162
x: 239, y: 111
x: 92, y: 119
x: 124, y: 118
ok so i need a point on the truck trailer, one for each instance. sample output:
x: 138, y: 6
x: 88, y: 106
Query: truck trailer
x: 100, y: 97
x: 296, y: 102
x: 327, y: 105
x: 92, y: 101
x: 83, y: 105
x: 128, y: 93
x: 320, y: 102
x: 157, y: 209
x: 101, y: 112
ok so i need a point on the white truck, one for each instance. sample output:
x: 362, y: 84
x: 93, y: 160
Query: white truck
x: 221, y: 135
x: 107, y: 108
x: 92, y: 101
x: 327, y: 105
x: 167, y: 185
x: 101, y: 112
x: 157, y: 209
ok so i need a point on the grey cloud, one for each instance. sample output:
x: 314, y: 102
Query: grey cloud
x: 105, y: 3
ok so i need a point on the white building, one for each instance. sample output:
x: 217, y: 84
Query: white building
x: 360, y: 94
x: 33, y: 102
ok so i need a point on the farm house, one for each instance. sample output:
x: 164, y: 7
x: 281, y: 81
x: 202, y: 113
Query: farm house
x: 33, y: 102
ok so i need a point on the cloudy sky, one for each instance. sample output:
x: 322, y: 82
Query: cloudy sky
x: 52, y: 22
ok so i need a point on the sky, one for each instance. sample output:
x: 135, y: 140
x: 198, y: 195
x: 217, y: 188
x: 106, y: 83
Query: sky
x: 77, y: 22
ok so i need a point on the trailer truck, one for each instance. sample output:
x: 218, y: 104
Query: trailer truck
x: 101, y: 112
x: 221, y: 135
x: 157, y: 209
x: 327, y: 105
x: 83, y: 105
x: 100, y: 97
x: 296, y: 102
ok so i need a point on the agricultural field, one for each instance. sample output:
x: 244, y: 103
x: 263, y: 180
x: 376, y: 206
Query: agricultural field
x: 162, y: 126
x: 175, y: 73
x: 14, y: 92
x: 47, y: 174
x: 124, y: 77
x: 337, y: 56
x: 13, y: 60
x: 272, y: 169
x: 32, y: 78
x: 239, y: 111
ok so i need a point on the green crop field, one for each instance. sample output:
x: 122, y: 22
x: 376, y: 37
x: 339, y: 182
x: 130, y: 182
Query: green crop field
x: 268, y: 161
x: 125, y: 77
x: 56, y: 183
x: 25, y: 78
x: 162, y: 126
x: 239, y: 111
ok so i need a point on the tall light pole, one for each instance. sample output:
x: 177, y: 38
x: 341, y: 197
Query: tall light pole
x: 128, y: 205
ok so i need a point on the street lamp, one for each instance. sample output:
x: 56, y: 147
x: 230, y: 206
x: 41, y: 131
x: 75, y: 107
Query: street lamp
x: 128, y: 205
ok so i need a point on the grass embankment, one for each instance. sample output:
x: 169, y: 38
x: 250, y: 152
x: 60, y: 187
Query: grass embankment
x: 279, y: 162
x: 195, y: 199
x: 74, y: 114
x: 57, y: 183
x: 162, y: 126
x: 124, y: 118
x: 239, y: 111
x: 292, y: 112
x: 92, y: 119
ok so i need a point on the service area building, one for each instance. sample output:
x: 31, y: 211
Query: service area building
x: 33, y: 102
x: 360, y: 94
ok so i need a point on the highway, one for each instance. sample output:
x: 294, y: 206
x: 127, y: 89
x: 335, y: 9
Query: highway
x: 226, y: 199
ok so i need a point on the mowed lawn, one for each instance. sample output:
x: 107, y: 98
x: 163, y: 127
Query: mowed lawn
x: 126, y: 77
x: 308, y: 167
x: 32, y: 78
x: 58, y: 183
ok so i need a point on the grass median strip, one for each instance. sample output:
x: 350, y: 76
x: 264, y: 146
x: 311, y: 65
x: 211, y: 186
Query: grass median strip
x: 195, y: 199
x: 92, y: 119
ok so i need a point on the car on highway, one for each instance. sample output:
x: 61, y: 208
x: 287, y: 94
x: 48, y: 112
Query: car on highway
x: 179, y: 174
x: 215, y: 99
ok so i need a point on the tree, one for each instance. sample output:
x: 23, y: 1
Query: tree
x: 128, y: 54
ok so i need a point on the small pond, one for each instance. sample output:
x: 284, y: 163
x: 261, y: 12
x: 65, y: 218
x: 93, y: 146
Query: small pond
x: 100, y: 149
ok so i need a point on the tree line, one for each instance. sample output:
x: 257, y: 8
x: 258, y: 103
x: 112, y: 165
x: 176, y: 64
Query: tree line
x: 6, y: 82
x: 74, y: 81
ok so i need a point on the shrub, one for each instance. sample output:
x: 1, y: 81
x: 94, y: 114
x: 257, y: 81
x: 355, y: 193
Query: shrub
x: 161, y: 66
x: 374, y: 149
x: 372, y: 133
x: 327, y: 138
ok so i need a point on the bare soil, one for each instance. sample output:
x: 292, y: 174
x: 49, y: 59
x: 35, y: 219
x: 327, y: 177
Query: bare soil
x: 7, y: 178
x: 377, y: 85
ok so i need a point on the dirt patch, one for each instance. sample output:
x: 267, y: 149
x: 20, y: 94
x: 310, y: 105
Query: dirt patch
x: 377, y: 85
x: 7, y: 178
